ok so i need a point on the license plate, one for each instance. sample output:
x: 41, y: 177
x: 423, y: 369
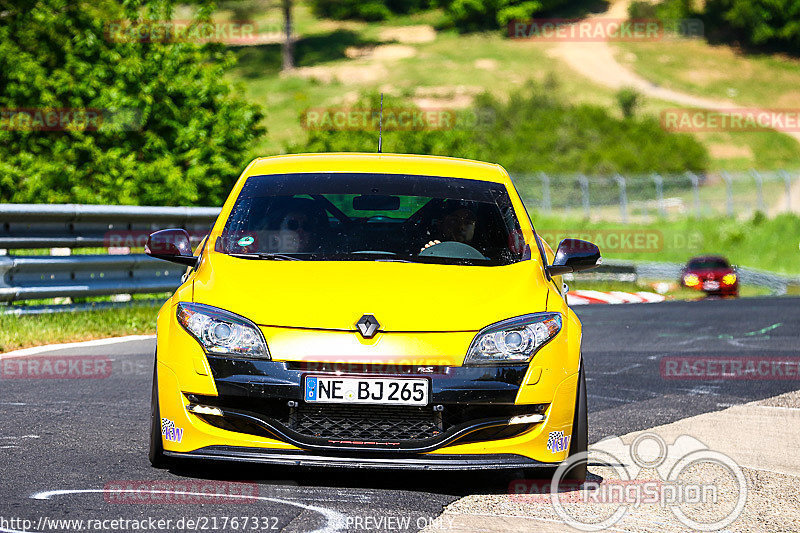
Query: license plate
x: 711, y: 285
x: 387, y: 391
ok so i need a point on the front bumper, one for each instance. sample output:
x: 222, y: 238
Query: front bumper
x: 265, y: 398
x: 255, y: 397
x: 482, y: 441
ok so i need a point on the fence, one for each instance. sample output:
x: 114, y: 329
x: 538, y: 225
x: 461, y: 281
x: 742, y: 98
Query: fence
x: 642, y: 198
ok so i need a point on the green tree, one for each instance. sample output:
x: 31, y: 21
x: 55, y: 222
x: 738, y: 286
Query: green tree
x: 758, y: 22
x: 173, y: 131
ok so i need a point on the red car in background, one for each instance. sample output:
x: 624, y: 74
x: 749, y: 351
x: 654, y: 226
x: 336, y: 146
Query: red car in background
x: 711, y: 274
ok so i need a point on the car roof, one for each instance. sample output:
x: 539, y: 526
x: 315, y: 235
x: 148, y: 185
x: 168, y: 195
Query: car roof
x: 424, y: 165
x: 707, y: 257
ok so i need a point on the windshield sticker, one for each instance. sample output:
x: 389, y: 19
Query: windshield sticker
x: 245, y: 241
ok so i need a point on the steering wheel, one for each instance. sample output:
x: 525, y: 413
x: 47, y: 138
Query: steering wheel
x: 453, y: 250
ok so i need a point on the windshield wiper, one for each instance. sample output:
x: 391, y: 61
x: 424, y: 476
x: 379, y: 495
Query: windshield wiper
x: 267, y: 256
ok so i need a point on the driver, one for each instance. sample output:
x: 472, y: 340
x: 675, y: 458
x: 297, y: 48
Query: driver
x: 298, y: 226
x: 295, y: 233
x: 458, y: 225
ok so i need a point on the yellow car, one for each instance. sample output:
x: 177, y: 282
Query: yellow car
x: 371, y: 310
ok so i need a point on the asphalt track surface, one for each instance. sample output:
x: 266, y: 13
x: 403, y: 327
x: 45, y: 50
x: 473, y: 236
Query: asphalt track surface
x: 81, y: 434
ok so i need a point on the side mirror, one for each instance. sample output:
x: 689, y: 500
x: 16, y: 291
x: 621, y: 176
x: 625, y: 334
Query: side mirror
x: 574, y: 255
x: 171, y: 245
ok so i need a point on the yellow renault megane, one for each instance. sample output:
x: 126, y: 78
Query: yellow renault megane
x: 371, y: 310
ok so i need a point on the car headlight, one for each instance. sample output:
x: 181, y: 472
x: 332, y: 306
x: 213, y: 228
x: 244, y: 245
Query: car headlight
x: 691, y: 280
x: 514, y: 340
x: 729, y: 279
x: 222, y: 332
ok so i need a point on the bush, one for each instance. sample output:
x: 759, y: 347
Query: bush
x: 471, y: 15
x: 186, y: 136
x: 771, y: 23
x: 366, y: 9
x: 628, y: 100
x: 677, y: 16
x: 532, y: 131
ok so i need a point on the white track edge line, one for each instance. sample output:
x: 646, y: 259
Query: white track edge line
x: 97, y: 342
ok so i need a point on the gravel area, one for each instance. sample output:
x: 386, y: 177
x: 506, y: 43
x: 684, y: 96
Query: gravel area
x: 772, y: 505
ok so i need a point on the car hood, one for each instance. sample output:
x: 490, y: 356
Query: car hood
x: 402, y: 296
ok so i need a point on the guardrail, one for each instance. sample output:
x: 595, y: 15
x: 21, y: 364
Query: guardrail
x: 62, y: 228
x: 87, y: 226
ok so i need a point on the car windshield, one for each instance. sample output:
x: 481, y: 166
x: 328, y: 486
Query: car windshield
x: 708, y: 263
x: 388, y: 217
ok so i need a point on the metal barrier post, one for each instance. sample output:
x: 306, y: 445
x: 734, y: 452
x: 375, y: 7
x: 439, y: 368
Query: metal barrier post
x: 696, y: 191
x: 660, y: 195
x: 623, y: 198
x: 759, y: 189
x: 546, y: 205
x: 584, y: 181
x: 728, y: 192
x: 787, y: 180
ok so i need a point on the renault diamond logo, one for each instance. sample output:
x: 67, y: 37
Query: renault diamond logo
x: 368, y: 326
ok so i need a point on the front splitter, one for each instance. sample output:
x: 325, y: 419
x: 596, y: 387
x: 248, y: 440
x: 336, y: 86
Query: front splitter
x: 418, y: 462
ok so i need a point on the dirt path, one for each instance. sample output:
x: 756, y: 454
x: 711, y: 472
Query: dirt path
x: 596, y: 61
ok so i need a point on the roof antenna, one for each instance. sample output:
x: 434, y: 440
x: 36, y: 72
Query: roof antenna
x: 380, y: 127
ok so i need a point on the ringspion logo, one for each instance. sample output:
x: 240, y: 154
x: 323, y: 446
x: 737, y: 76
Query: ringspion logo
x: 704, y: 489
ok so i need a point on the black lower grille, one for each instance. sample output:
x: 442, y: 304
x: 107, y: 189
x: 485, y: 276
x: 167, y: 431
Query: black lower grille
x: 389, y: 426
x: 366, y: 422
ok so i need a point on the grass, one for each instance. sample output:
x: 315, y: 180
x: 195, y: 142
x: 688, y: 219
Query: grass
x: 766, y: 244
x: 445, y: 66
x: 23, y: 331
